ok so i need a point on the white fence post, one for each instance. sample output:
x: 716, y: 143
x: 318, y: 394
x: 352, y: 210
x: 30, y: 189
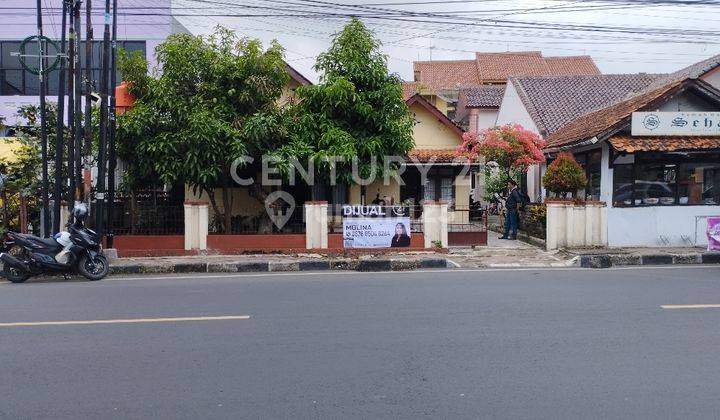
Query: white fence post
x: 196, y: 225
x: 316, y: 225
x: 435, y: 223
x: 570, y: 225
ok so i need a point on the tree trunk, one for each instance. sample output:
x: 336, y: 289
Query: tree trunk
x: 213, y: 203
x: 227, y: 205
x: 133, y: 212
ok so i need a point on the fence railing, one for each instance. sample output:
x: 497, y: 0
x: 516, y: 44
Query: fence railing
x: 467, y: 219
x: 278, y: 220
x: 147, y: 218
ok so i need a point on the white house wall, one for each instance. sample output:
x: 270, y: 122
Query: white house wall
x: 659, y: 226
x: 512, y: 111
x: 486, y: 118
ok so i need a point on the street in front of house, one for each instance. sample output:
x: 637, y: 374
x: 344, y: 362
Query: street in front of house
x: 427, y: 344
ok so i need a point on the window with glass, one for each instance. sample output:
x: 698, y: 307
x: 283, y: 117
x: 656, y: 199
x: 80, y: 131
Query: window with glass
x: 668, y: 179
x: 591, y: 162
x: 440, y: 185
x: 14, y: 80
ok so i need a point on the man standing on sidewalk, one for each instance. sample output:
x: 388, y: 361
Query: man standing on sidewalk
x: 512, y: 210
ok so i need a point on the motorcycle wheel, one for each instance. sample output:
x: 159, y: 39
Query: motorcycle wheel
x: 93, y: 269
x: 14, y: 275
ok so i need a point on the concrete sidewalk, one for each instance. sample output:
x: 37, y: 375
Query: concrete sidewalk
x: 500, y: 253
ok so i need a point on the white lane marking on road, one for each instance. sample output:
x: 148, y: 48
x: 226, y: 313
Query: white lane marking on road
x: 124, y: 321
x: 694, y: 306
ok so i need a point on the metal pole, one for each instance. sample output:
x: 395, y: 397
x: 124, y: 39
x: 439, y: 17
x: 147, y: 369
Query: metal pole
x: 112, y: 158
x: 60, y: 127
x: 45, y: 216
x: 77, y: 143
x: 87, y: 149
x: 100, y: 183
x: 72, y: 67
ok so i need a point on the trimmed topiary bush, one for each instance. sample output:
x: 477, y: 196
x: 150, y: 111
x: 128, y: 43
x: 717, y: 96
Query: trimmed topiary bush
x: 565, y: 175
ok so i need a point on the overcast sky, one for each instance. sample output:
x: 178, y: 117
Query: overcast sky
x: 689, y: 33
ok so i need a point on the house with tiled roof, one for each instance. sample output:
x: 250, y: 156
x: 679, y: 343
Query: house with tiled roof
x: 543, y: 104
x: 477, y: 86
x: 436, y: 138
x: 653, y: 159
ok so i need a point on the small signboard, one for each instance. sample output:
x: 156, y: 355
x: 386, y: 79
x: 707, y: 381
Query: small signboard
x: 374, y: 227
x: 713, y: 233
x: 675, y: 124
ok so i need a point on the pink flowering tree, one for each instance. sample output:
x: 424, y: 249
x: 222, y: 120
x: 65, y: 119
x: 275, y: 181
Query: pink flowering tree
x: 511, y: 147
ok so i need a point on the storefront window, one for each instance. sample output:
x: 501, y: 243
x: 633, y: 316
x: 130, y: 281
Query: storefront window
x: 655, y: 183
x: 591, y: 162
x: 670, y: 179
x: 699, y: 183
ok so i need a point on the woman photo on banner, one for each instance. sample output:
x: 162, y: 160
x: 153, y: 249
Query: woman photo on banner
x: 401, y: 238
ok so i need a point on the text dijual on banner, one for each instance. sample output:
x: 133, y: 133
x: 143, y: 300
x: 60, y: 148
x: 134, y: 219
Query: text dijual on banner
x: 380, y: 232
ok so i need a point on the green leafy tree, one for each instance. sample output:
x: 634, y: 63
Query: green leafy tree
x: 209, y: 106
x: 564, y: 175
x: 357, y: 110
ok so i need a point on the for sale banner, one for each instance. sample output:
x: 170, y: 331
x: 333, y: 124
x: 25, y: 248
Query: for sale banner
x: 713, y: 233
x: 378, y: 232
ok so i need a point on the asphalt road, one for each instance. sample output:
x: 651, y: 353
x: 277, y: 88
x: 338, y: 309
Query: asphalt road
x: 437, y: 344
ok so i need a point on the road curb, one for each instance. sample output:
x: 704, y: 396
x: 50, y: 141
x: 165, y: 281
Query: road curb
x: 363, y: 265
x: 623, y: 260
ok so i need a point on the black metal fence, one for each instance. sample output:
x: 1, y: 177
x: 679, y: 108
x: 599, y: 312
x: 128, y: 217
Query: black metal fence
x: 147, y: 213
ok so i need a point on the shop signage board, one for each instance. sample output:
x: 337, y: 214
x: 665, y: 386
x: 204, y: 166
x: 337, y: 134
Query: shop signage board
x: 713, y: 233
x: 675, y: 124
x: 375, y: 227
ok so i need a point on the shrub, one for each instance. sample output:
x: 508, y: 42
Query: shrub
x: 564, y: 175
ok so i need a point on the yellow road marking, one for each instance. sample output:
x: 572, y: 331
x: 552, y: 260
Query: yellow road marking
x: 699, y: 306
x: 124, y: 321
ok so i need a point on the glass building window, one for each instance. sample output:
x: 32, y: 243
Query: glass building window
x: 14, y: 80
x: 668, y: 179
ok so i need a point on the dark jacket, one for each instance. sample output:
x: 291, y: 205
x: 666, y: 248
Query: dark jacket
x: 513, y: 199
x: 400, y: 241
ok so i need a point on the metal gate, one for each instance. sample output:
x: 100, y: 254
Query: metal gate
x: 467, y: 226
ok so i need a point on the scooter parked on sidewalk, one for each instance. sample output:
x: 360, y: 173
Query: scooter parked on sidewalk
x: 76, y: 250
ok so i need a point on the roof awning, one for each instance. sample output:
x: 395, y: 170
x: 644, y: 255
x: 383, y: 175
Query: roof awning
x: 434, y: 156
x: 629, y: 144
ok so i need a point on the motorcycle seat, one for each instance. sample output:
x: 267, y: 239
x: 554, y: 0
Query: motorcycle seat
x: 50, y: 242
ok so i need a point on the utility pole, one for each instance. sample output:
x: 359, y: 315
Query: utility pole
x: 45, y: 215
x: 72, y: 66
x: 60, y: 127
x: 77, y: 140
x: 87, y: 149
x: 100, y: 183
x: 112, y: 158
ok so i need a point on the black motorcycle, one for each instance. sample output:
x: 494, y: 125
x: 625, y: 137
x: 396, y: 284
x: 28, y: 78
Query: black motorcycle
x: 28, y: 255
